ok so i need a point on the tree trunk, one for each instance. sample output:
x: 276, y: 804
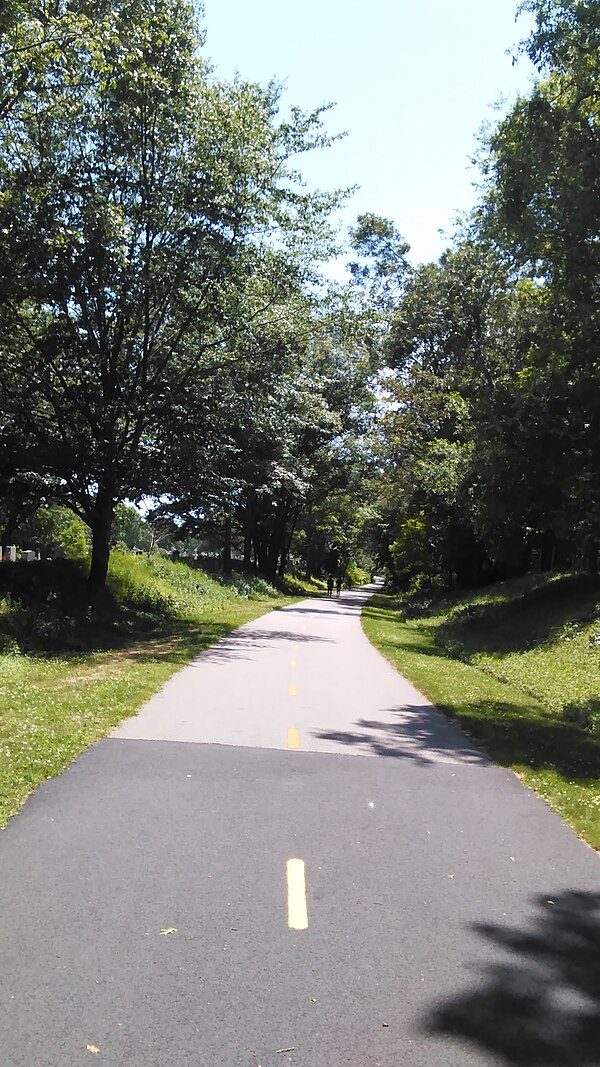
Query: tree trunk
x: 310, y: 557
x: 227, y: 546
x: 101, y: 527
x: 261, y: 550
x: 9, y: 530
x: 288, y: 544
x: 248, y: 528
x: 277, y: 538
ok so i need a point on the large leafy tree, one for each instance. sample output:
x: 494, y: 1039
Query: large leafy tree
x: 138, y: 193
x: 464, y: 490
x: 543, y: 208
x: 490, y: 451
x: 34, y: 34
x: 296, y: 392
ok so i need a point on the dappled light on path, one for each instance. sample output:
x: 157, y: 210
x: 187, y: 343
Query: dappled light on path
x: 412, y: 732
x: 244, y: 643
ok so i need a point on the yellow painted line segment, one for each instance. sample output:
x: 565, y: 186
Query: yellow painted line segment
x: 292, y: 663
x: 293, y: 737
x: 296, y: 886
x: 292, y: 690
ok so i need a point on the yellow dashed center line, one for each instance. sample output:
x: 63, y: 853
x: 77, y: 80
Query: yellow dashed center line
x: 293, y: 737
x: 296, y: 886
x: 292, y: 663
x: 292, y: 690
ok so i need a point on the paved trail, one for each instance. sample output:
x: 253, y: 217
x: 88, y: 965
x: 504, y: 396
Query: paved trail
x: 437, y: 914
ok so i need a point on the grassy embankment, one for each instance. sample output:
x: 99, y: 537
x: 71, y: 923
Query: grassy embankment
x: 518, y: 665
x: 67, y: 678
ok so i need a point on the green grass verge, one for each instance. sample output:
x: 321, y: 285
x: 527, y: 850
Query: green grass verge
x: 511, y: 665
x: 66, y: 679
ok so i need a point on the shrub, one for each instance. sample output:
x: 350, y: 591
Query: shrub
x: 585, y: 714
x: 356, y: 574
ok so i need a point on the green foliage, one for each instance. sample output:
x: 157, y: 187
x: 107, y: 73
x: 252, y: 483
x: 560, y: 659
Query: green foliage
x: 295, y: 586
x: 538, y: 633
x: 55, y: 525
x: 586, y: 715
x: 130, y: 528
x: 356, y: 575
x: 166, y: 588
x: 409, y: 552
x: 490, y: 445
x: 154, y: 231
x: 383, y: 255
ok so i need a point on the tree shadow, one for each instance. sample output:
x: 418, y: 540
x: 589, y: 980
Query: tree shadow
x: 526, y: 734
x: 423, y: 647
x: 523, y: 734
x: 419, y: 733
x: 532, y: 618
x: 391, y: 615
x: 240, y: 644
x: 537, y: 1003
x: 342, y: 607
x: 523, y: 731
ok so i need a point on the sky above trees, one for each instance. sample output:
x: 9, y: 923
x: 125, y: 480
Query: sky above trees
x: 412, y: 84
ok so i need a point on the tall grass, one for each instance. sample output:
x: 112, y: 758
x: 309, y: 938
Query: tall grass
x: 159, y: 585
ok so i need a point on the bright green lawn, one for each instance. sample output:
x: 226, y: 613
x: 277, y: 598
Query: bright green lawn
x: 505, y: 671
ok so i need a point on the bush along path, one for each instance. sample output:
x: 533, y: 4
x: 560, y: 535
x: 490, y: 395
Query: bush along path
x: 518, y: 666
x: 67, y: 678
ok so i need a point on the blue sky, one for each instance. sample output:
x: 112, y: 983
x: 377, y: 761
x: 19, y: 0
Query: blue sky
x: 412, y: 83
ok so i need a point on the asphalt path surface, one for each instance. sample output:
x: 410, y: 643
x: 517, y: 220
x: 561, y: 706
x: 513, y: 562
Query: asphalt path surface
x: 435, y: 912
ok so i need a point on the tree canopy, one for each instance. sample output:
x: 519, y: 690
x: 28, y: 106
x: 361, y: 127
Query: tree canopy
x: 156, y: 237
x: 491, y: 448
x: 167, y: 335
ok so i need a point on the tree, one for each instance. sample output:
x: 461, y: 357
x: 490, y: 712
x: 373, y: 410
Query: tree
x: 490, y: 446
x: 137, y: 193
x: 130, y: 528
x: 459, y: 470
x: 34, y: 34
x: 382, y: 250
x: 543, y: 206
x: 298, y: 387
x: 57, y: 527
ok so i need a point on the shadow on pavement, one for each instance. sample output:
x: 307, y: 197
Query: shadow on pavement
x: 315, y: 612
x: 538, y: 1003
x: 420, y: 733
x: 241, y: 642
x: 343, y: 603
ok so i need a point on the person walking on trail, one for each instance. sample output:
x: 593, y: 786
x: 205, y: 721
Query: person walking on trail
x: 338, y: 584
x: 330, y: 585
